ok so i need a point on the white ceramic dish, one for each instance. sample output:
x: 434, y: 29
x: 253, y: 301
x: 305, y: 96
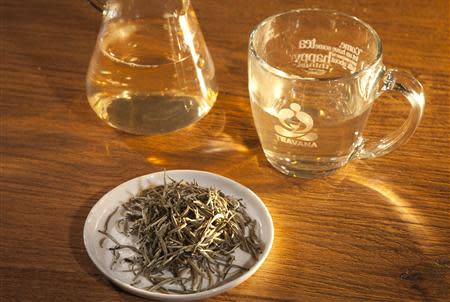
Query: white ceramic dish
x: 98, y: 214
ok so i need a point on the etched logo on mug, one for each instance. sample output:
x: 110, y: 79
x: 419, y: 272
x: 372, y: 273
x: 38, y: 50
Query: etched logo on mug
x: 296, y: 127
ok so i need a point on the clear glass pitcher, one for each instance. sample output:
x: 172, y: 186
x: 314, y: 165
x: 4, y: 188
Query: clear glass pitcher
x: 151, y: 71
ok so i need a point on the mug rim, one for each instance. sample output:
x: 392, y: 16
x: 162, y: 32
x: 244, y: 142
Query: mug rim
x: 281, y: 73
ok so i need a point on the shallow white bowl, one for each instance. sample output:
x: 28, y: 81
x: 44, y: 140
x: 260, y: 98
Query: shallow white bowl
x: 120, y: 194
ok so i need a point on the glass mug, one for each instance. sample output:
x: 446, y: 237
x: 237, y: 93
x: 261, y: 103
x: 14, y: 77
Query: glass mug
x: 313, y: 77
x: 151, y: 71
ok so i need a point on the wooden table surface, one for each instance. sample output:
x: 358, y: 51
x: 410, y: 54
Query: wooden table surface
x: 377, y: 230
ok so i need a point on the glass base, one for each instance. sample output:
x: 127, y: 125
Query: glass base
x: 318, y: 167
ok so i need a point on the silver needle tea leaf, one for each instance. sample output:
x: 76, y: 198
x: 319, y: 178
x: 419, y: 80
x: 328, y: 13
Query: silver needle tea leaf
x: 184, y: 233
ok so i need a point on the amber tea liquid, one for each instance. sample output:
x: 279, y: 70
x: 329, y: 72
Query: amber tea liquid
x: 145, y: 78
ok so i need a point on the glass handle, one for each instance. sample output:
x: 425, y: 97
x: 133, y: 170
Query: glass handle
x: 404, y: 83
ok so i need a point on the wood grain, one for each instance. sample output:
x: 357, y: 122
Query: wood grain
x: 377, y: 230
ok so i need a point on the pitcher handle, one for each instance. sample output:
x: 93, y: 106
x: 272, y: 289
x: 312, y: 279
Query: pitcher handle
x: 98, y: 4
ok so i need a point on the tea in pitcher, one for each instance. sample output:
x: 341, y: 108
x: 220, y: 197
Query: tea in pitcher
x: 151, y: 75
